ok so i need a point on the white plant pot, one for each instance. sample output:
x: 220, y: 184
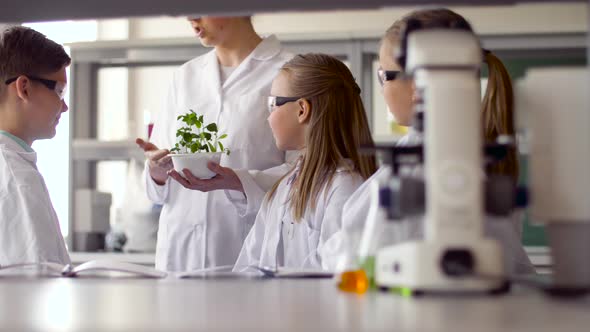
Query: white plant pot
x: 196, y: 163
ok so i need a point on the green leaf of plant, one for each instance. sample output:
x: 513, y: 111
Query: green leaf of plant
x: 222, y: 136
x: 195, y: 147
x: 211, y: 147
x: 221, y: 146
x: 186, y: 136
x: 212, y: 127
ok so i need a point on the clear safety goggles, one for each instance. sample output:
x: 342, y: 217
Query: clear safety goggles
x: 56, y: 86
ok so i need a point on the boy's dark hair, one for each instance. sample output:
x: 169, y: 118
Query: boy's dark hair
x: 24, y: 51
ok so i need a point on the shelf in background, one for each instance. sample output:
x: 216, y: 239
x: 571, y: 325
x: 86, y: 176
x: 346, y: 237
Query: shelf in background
x: 95, y: 150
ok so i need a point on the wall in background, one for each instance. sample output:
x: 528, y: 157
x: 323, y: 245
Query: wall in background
x: 516, y: 19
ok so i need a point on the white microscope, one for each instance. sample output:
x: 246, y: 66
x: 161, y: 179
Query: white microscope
x: 454, y: 255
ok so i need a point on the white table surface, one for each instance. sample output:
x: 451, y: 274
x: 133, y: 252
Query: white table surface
x: 270, y: 305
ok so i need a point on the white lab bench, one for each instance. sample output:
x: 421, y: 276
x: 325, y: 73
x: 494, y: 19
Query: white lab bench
x: 86, y: 304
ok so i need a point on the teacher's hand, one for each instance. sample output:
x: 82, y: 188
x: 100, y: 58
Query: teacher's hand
x: 159, y: 161
x: 226, y: 179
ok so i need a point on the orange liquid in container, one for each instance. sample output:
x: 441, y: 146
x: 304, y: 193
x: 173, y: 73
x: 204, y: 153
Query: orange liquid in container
x: 354, y: 281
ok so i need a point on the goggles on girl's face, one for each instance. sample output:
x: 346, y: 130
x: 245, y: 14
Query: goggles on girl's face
x: 275, y: 101
x: 387, y: 75
x: 56, y: 86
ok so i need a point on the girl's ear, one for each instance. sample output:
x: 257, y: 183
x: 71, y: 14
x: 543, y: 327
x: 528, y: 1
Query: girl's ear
x: 304, y: 112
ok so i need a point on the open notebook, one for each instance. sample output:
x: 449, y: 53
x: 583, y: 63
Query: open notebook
x: 286, y: 272
x: 111, y: 268
x: 101, y: 268
x: 254, y: 272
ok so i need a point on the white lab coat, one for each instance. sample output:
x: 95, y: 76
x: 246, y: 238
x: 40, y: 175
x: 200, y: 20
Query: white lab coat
x: 205, y: 229
x: 344, y: 245
x: 29, y: 228
x: 278, y: 240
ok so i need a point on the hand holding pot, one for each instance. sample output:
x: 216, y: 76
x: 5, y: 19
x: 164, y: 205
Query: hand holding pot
x: 225, y: 179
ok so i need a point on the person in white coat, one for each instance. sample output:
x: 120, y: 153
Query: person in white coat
x: 400, y: 96
x: 229, y: 85
x: 32, y: 87
x: 315, y: 107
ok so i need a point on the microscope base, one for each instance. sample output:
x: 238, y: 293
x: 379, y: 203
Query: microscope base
x: 429, y: 266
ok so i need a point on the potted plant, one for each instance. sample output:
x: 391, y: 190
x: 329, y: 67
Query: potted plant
x: 197, y: 145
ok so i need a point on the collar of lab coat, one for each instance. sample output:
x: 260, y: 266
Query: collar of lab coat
x: 346, y: 166
x: 413, y: 137
x: 267, y: 49
x: 17, y: 145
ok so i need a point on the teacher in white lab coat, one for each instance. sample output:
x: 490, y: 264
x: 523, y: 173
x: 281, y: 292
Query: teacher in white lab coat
x: 229, y: 85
